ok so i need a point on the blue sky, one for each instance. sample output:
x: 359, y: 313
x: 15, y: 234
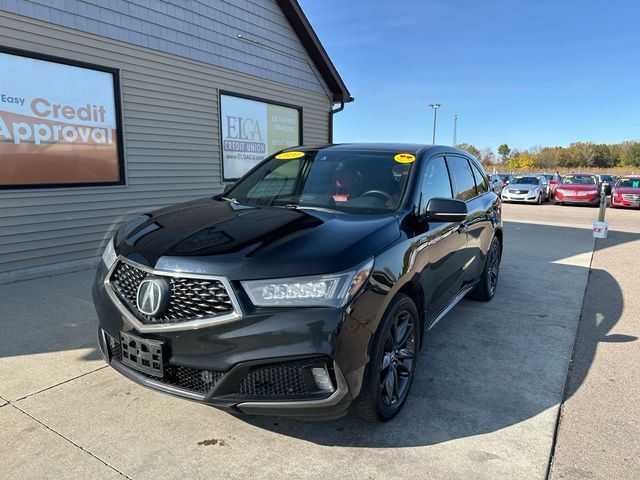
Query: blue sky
x: 523, y: 73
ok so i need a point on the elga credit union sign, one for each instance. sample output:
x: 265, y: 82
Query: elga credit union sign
x: 58, y: 124
x: 252, y: 130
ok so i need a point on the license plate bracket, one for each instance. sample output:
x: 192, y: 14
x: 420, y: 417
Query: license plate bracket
x: 142, y: 354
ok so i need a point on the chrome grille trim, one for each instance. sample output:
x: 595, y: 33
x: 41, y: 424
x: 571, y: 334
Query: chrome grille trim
x: 188, y: 324
x: 631, y: 197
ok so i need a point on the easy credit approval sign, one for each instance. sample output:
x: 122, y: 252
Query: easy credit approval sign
x: 57, y: 124
x: 252, y: 130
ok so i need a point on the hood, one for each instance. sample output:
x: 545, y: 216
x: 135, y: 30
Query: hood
x: 625, y: 190
x: 577, y: 187
x: 241, y: 242
x: 523, y: 186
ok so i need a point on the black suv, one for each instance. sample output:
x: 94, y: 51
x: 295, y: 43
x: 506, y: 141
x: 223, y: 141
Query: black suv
x: 308, y: 286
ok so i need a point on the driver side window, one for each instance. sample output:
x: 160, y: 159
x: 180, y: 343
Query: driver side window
x: 435, y: 183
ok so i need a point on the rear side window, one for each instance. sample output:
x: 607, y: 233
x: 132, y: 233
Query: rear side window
x: 481, y: 181
x: 435, y: 183
x: 464, y: 183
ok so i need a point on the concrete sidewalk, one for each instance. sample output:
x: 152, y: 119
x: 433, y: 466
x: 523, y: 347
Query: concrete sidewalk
x: 484, y: 403
x: 599, y: 430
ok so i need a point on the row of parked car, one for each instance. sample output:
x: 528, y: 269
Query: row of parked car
x: 573, y: 188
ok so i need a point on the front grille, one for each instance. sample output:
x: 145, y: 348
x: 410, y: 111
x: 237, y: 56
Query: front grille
x: 278, y: 379
x: 192, y: 379
x: 630, y: 197
x: 191, y: 298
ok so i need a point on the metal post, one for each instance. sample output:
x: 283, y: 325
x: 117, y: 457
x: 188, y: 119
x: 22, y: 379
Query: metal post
x: 435, y: 107
x: 603, y: 205
x: 455, y: 129
x: 600, y: 226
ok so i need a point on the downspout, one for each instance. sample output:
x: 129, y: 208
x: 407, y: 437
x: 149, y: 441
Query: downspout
x: 332, y: 112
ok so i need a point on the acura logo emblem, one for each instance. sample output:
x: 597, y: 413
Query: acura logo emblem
x: 153, y: 296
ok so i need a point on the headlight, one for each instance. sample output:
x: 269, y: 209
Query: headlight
x: 560, y: 190
x: 332, y: 290
x: 590, y: 192
x: 109, y: 255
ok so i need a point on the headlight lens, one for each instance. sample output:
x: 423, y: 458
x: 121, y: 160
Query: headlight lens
x: 332, y: 290
x: 591, y: 192
x: 109, y: 255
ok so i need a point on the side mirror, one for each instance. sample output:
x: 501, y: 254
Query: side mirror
x: 446, y: 210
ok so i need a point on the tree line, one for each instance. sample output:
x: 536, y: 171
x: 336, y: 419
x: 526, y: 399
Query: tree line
x: 578, y: 154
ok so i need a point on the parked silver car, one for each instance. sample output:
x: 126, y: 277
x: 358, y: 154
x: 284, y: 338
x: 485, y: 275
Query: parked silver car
x: 527, y: 189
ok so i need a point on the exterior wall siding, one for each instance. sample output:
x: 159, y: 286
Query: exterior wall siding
x: 171, y: 144
x: 202, y: 30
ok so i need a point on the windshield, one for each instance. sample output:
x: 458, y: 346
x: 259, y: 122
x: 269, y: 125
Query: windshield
x: 355, y: 181
x: 579, y: 180
x: 525, y: 180
x: 629, y: 182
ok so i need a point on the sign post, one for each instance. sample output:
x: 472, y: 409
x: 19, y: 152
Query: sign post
x: 601, y: 226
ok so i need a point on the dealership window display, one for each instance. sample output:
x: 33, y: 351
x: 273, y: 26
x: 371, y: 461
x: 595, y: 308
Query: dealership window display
x: 59, y: 123
x: 252, y: 129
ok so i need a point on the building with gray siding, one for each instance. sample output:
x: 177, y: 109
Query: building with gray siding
x: 172, y: 64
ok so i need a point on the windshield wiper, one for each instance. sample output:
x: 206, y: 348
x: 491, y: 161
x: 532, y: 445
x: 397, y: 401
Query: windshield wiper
x: 230, y: 200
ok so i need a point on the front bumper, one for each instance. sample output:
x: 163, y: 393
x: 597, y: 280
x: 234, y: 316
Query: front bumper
x: 256, y: 364
x: 621, y: 202
x: 577, y: 199
x: 520, y: 197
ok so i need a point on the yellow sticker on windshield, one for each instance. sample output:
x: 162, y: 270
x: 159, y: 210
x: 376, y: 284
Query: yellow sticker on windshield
x: 404, y: 158
x: 518, y: 176
x: 624, y: 179
x: 289, y: 155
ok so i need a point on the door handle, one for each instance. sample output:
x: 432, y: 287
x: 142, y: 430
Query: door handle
x: 462, y: 228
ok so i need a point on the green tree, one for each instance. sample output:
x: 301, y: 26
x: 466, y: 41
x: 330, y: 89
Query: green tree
x: 504, y: 151
x: 473, y: 150
x: 632, y: 155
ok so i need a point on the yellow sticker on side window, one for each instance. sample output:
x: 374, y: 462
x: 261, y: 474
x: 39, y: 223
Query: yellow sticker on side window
x: 404, y: 158
x: 289, y: 155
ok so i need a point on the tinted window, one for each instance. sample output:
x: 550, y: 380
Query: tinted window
x: 436, y: 181
x: 481, y: 181
x: 349, y: 180
x: 464, y: 183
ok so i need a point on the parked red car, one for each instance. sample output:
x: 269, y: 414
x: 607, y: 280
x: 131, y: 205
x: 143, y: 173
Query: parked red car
x: 626, y: 192
x: 577, y: 188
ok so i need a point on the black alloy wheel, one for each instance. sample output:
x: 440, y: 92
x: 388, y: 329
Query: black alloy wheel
x: 486, y: 287
x: 389, y: 374
x: 398, y: 359
x: 493, y: 266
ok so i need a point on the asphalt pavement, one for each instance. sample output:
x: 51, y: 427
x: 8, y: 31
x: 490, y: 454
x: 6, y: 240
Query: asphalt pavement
x: 485, y: 402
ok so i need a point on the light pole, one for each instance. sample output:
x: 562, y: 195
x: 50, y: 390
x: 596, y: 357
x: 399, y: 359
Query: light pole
x: 435, y: 107
x: 455, y: 129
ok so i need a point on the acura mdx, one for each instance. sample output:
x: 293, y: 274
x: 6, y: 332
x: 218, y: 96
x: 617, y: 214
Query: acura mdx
x: 307, y: 287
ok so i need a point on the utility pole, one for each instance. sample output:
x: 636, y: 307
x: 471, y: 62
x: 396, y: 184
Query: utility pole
x: 435, y: 107
x: 455, y: 129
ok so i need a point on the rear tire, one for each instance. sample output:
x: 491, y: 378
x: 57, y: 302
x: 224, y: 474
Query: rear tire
x: 486, y: 288
x: 389, y: 374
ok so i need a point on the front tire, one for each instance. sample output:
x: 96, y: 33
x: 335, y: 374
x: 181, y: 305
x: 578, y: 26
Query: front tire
x: 486, y: 288
x: 389, y: 374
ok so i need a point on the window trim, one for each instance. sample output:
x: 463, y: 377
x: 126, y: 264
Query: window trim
x: 229, y: 93
x: 119, y: 126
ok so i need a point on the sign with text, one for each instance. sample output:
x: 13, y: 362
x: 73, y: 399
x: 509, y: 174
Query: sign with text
x: 252, y: 130
x: 57, y: 124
